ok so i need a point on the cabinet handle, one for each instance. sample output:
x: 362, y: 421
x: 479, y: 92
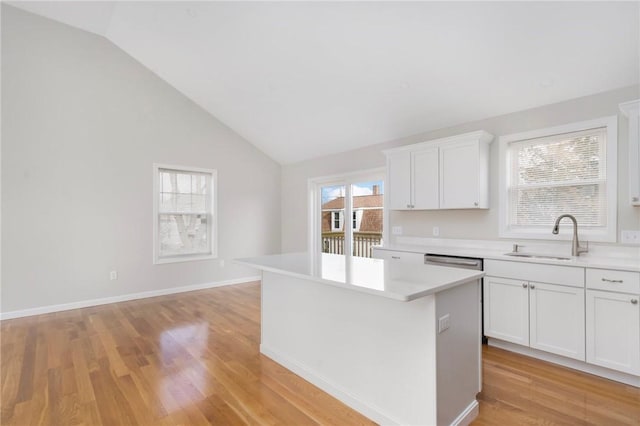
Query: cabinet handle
x: 634, y: 301
x: 408, y: 206
x: 612, y: 281
x: 524, y: 285
x: 532, y: 287
x: 395, y: 257
x: 475, y: 204
x: 635, y: 199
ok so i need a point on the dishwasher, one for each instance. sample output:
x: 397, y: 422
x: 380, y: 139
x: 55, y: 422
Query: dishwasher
x: 464, y: 263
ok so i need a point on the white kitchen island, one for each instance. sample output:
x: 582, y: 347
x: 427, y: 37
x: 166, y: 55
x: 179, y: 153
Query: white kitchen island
x: 368, y: 333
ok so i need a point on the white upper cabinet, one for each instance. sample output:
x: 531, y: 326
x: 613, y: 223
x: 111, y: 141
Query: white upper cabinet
x: 424, y: 166
x: 399, y: 172
x: 448, y: 173
x: 632, y: 111
x: 464, y: 175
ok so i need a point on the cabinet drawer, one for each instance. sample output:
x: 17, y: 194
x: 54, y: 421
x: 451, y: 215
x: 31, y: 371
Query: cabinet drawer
x: 400, y: 256
x: 612, y: 280
x: 553, y: 274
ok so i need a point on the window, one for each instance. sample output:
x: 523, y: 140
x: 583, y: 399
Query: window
x: 336, y: 221
x: 184, y: 217
x: 337, y: 218
x: 549, y: 172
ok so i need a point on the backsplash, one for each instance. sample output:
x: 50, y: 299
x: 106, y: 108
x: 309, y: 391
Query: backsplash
x: 556, y: 248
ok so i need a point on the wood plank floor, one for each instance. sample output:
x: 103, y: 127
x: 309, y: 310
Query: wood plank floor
x: 193, y: 359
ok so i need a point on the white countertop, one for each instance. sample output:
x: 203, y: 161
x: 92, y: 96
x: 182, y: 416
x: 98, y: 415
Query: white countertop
x: 404, y: 282
x: 626, y: 263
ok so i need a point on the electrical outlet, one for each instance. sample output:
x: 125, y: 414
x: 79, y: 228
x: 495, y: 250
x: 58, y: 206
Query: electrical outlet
x: 436, y: 231
x: 396, y: 230
x: 444, y: 322
x: 630, y: 237
x: 113, y: 275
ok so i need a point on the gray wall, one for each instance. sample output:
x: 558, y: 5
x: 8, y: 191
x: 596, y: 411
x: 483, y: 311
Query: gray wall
x: 465, y: 224
x: 82, y: 125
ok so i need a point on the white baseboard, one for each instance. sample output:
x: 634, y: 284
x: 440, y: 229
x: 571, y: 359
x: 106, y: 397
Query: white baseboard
x: 332, y: 389
x: 123, y: 298
x: 596, y: 370
x: 468, y: 415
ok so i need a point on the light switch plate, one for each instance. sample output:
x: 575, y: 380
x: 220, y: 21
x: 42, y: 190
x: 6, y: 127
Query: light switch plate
x: 396, y: 230
x: 444, y: 322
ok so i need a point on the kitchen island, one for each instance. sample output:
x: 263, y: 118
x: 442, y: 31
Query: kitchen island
x: 398, y: 342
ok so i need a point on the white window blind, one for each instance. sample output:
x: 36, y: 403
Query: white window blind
x: 552, y: 175
x: 184, y: 213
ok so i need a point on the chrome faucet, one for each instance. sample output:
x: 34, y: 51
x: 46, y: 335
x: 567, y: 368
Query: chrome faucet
x: 576, y: 248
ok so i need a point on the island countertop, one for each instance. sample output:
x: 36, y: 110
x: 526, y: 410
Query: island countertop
x: 393, y: 280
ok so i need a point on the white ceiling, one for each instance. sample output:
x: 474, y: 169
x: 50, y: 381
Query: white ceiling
x: 306, y: 79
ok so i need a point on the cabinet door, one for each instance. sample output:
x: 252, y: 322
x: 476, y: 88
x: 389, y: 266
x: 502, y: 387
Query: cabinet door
x: 459, y: 176
x: 613, y: 331
x: 506, y: 310
x: 634, y: 157
x: 557, y: 319
x: 399, y: 180
x: 632, y: 111
x: 425, y: 178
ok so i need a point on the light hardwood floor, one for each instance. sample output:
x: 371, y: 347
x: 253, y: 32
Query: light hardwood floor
x: 193, y: 359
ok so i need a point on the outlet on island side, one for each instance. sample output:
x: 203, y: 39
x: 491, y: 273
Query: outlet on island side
x: 113, y: 275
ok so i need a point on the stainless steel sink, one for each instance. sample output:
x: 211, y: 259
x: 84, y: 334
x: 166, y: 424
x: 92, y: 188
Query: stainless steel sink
x: 536, y: 256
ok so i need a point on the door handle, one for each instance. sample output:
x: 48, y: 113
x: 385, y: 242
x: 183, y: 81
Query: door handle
x: 612, y: 281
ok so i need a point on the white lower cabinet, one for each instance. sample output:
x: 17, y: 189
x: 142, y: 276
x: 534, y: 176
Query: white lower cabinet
x: 506, y: 310
x: 539, y: 306
x: 613, y: 330
x: 543, y: 316
x: 557, y: 319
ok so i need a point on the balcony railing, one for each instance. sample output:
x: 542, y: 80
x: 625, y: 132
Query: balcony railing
x: 333, y: 242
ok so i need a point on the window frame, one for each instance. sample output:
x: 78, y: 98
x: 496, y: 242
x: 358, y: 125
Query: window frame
x: 603, y: 234
x: 212, y: 216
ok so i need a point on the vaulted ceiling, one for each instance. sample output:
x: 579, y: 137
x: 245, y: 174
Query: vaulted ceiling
x: 306, y: 79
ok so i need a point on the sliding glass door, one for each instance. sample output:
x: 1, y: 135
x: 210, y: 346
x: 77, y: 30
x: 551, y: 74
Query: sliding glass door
x: 349, y: 214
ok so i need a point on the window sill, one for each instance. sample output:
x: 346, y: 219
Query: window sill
x: 179, y: 259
